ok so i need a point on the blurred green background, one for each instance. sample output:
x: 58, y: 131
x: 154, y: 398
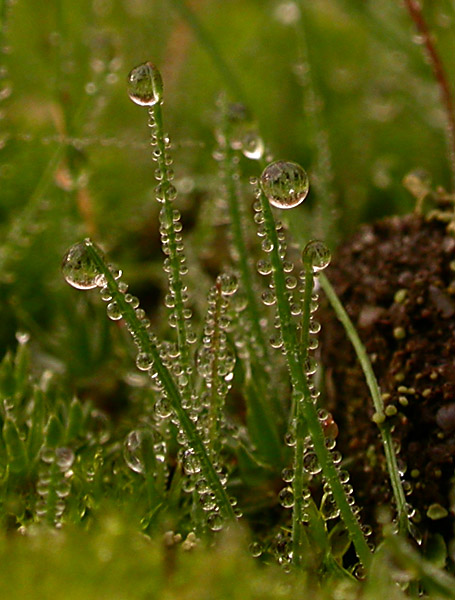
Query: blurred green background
x: 74, y: 157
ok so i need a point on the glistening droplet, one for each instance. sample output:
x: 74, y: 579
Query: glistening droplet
x: 317, y: 254
x: 285, y: 184
x: 78, y: 268
x: 145, y: 86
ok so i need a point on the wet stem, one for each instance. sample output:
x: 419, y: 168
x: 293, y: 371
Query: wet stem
x: 375, y: 392
x: 156, y: 116
x: 146, y: 344
x: 306, y: 411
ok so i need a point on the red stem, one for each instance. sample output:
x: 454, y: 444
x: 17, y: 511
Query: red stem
x: 415, y: 11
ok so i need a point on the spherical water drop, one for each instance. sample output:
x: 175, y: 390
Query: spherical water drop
x: 215, y: 521
x: 228, y: 283
x: 145, y: 86
x: 285, y: 184
x: 311, y: 463
x: 113, y: 311
x: 287, y: 474
x: 287, y: 497
x: 78, y: 268
x: 317, y: 254
x: 144, y: 361
x: 64, y: 458
x: 255, y: 549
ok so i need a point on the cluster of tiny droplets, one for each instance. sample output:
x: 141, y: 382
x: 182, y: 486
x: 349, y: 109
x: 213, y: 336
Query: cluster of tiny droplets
x: 54, y: 483
x: 215, y: 364
x: 215, y: 360
x: 230, y: 183
x: 79, y: 271
x: 145, y: 88
x: 264, y: 266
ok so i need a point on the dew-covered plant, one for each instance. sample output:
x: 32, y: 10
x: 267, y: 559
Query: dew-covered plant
x: 193, y: 433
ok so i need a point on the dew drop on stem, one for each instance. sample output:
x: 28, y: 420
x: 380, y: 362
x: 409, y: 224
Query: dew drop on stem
x: 317, y: 254
x: 145, y: 86
x: 78, y: 268
x: 285, y: 184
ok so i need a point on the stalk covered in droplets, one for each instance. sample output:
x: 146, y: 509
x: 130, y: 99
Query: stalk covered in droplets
x: 277, y: 186
x: 149, y: 357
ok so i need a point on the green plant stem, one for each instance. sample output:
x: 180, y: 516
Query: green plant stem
x: 215, y: 400
x: 378, y: 403
x: 146, y: 344
x: 301, y: 432
x: 300, y: 387
x: 208, y: 43
x: 175, y: 279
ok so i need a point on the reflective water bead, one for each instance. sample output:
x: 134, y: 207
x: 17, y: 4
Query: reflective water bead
x: 64, y: 458
x: 317, y: 254
x: 105, y: 294
x: 191, y: 464
x: 113, y: 311
x: 286, y: 497
x: 264, y: 267
x: 255, y: 549
x: 310, y: 366
x: 47, y: 455
x: 135, y: 448
x: 287, y: 474
x: 228, y: 283
x: 215, y: 521
x: 311, y: 463
x: 285, y: 184
x: 268, y: 297
x: 252, y: 145
x: 78, y: 268
x: 329, y: 508
x: 145, y: 86
x: 162, y: 408
x: 144, y: 361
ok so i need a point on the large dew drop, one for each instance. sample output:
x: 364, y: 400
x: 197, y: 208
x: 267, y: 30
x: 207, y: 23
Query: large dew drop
x: 317, y: 254
x: 285, y: 184
x: 145, y: 86
x: 78, y: 268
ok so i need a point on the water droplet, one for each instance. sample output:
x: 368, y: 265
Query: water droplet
x: 78, y: 268
x: 215, y: 521
x: 145, y: 86
x: 252, y: 145
x: 144, y: 361
x: 329, y: 508
x: 137, y: 448
x: 317, y: 254
x: 113, y: 311
x: 287, y: 497
x: 285, y: 184
x: 255, y: 549
x: 268, y: 297
x: 287, y: 474
x: 228, y: 283
x: 311, y: 463
x: 47, y: 455
x: 64, y: 458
